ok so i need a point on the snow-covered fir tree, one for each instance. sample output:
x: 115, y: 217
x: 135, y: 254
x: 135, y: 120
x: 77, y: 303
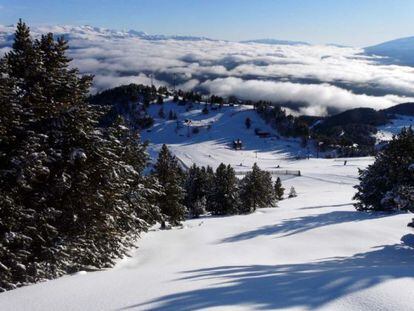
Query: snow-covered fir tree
x: 292, y: 193
x: 256, y: 190
x: 388, y: 183
x: 197, y: 188
x: 170, y: 177
x: 72, y: 194
x: 279, y: 190
x: 223, y: 198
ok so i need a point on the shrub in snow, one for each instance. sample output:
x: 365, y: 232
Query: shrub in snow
x: 388, y: 184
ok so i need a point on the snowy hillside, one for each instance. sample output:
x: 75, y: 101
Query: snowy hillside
x: 311, y: 252
x: 386, y: 132
x: 217, y: 130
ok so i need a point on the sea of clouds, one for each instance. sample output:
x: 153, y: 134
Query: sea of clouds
x: 313, y: 79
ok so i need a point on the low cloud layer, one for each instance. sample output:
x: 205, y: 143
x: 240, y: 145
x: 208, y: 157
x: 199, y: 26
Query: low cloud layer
x: 316, y: 79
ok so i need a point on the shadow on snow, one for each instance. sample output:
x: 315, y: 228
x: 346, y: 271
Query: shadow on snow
x: 308, y: 285
x: 293, y: 226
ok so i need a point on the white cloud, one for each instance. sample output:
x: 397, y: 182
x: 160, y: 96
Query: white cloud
x: 316, y: 98
x: 319, y: 77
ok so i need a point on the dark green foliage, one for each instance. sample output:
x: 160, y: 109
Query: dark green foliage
x: 350, y: 132
x: 197, y: 188
x: 129, y: 101
x: 287, y: 125
x: 71, y: 194
x: 171, y: 179
x: 279, y: 190
x: 256, y: 190
x: 223, y: 198
x: 124, y: 94
x: 388, y: 184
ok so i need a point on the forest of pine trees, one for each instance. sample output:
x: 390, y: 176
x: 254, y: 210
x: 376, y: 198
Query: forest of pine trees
x: 73, y: 193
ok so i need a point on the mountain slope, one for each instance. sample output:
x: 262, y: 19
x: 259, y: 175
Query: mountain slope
x: 400, y: 51
x: 312, y: 252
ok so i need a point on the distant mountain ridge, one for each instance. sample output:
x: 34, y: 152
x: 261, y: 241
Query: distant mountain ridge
x: 91, y: 32
x: 399, y: 51
x: 275, y: 42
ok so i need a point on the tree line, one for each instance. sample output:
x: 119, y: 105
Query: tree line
x: 202, y: 190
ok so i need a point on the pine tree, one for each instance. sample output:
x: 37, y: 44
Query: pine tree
x: 279, y: 190
x: 170, y: 177
x: 223, y: 198
x: 292, y: 193
x: 256, y: 190
x: 195, y: 191
x: 71, y: 194
x: 388, y: 183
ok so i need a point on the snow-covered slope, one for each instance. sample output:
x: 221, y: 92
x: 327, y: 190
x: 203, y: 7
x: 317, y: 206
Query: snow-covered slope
x: 217, y: 130
x: 386, y: 132
x: 311, y: 252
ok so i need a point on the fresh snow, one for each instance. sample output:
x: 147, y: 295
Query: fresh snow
x: 311, y: 252
x: 213, y: 146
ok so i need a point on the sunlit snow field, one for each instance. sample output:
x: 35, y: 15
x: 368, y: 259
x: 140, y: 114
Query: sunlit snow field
x: 311, y: 252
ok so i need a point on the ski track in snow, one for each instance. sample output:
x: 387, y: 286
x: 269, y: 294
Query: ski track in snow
x: 311, y: 252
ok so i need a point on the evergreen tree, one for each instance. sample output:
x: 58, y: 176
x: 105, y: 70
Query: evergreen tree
x: 388, y: 183
x: 223, y: 198
x: 194, y: 189
x: 170, y: 177
x: 71, y: 194
x: 256, y: 190
x: 292, y: 193
x: 279, y: 190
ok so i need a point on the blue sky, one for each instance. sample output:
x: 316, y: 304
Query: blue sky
x: 348, y: 22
